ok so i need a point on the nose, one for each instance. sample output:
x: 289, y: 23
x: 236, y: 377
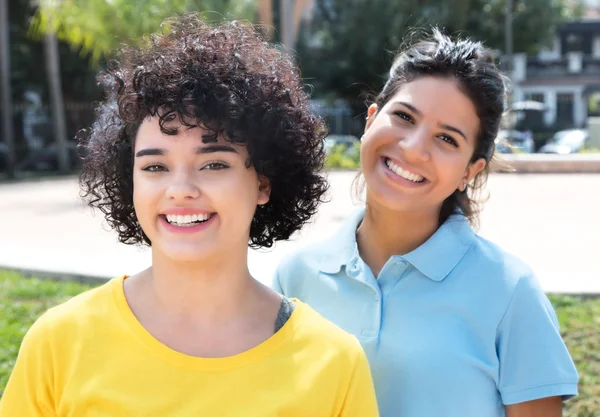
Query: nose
x: 183, y: 187
x: 415, y: 145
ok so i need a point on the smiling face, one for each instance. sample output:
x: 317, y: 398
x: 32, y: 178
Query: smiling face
x: 418, y: 147
x: 194, y: 200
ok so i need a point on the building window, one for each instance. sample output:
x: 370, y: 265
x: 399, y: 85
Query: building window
x: 539, y: 97
x: 574, y: 43
x: 534, y: 119
x: 564, y: 110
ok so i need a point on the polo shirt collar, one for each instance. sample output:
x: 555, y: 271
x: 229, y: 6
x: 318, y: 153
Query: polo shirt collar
x: 435, y: 258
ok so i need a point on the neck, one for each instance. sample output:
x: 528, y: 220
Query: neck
x: 214, y: 289
x: 384, y: 233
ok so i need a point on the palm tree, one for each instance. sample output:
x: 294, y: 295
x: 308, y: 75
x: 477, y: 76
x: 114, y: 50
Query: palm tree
x: 7, y: 122
x: 98, y: 27
x: 58, y: 107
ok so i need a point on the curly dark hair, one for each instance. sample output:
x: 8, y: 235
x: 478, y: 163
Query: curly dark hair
x: 224, y: 78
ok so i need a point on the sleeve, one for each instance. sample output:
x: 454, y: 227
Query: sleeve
x: 534, y: 361
x: 29, y: 388
x: 360, y: 400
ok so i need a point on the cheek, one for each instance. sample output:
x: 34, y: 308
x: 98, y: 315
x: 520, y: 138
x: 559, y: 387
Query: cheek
x: 369, y: 150
x: 234, y: 191
x: 381, y: 134
x: 451, y: 168
x: 144, y: 196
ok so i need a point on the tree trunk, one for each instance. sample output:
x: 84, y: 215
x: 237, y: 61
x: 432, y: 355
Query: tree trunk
x: 56, y: 98
x: 7, y: 108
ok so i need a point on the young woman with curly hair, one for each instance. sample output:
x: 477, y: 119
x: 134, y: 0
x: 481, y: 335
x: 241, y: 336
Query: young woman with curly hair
x: 205, y: 145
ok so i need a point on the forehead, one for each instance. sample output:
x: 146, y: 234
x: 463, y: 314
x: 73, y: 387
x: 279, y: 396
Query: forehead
x: 149, y: 133
x: 439, y: 100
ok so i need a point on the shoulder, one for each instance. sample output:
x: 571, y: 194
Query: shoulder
x: 326, y: 337
x: 497, y: 264
x: 502, y: 278
x: 68, y: 318
x: 328, y: 255
x: 300, y: 273
x: 305, y: 258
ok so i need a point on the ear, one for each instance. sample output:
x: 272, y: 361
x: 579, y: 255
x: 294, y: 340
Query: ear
x: 264, y: 190
x: 371, y: 113
x: 471, y: 172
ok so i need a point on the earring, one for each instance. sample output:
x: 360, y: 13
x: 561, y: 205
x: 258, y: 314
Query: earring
x: 362, y: 138
x: 465, y: 184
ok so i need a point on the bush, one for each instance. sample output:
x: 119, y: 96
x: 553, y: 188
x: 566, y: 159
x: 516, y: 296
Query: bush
x: 589, y: 150
x: 344, y: 157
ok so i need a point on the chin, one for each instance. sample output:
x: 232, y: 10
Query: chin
x: 188, y: 254
x: 395, y: 200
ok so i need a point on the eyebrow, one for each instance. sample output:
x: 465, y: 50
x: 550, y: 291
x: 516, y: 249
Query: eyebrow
x: 443, y: 126
x: 198, y: 151
x: 215, y: 148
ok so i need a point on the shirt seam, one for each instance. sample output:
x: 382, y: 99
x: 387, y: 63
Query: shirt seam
x: 512, y: 297
x: 539, y: 386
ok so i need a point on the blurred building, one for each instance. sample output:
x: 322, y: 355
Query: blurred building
x: 565, y: 77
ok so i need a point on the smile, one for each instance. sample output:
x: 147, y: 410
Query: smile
x: 187, y: 220
x: 404, y: 173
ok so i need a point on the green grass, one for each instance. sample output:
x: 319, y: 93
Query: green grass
x: 22, y: 300
x: 580, y: 326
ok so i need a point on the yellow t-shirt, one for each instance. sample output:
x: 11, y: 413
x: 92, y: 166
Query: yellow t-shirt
x: 91, y: 357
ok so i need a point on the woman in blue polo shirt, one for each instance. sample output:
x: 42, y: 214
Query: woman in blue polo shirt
x: 452, y: 324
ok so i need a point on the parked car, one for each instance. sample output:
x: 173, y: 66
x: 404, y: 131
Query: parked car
x: 509, y: 141
x: 566, y: 142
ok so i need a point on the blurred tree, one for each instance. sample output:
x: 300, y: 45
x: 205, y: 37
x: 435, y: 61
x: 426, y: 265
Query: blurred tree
x: 29, y: 78
x: 100, y: 26
x: 347, y: 47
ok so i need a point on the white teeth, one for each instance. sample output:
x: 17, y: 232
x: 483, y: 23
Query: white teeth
x: 402, y: 172
x: 187, y: 220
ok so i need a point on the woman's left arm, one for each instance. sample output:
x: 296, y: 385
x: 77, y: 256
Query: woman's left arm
x: 545, y: 407
x: 536, y: 372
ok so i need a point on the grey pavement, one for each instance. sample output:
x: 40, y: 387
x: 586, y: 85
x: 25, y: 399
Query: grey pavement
x: 550, y: 221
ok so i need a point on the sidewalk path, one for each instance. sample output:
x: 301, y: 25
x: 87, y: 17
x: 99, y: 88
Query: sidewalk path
x: 550, y: 221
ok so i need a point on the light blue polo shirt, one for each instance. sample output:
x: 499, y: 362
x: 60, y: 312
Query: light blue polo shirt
x: 456, y: 328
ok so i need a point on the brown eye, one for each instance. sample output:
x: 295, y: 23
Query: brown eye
x: 216, y: 166
x: 154, y: 168
x: 404, y: 116
x: 449, y: 139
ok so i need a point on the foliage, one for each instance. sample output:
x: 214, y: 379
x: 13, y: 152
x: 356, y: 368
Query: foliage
x: 27, y: 62
x: 100, y: 26
x: 341, y: 156
x: 347, y: 48
x: 589, y: 149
